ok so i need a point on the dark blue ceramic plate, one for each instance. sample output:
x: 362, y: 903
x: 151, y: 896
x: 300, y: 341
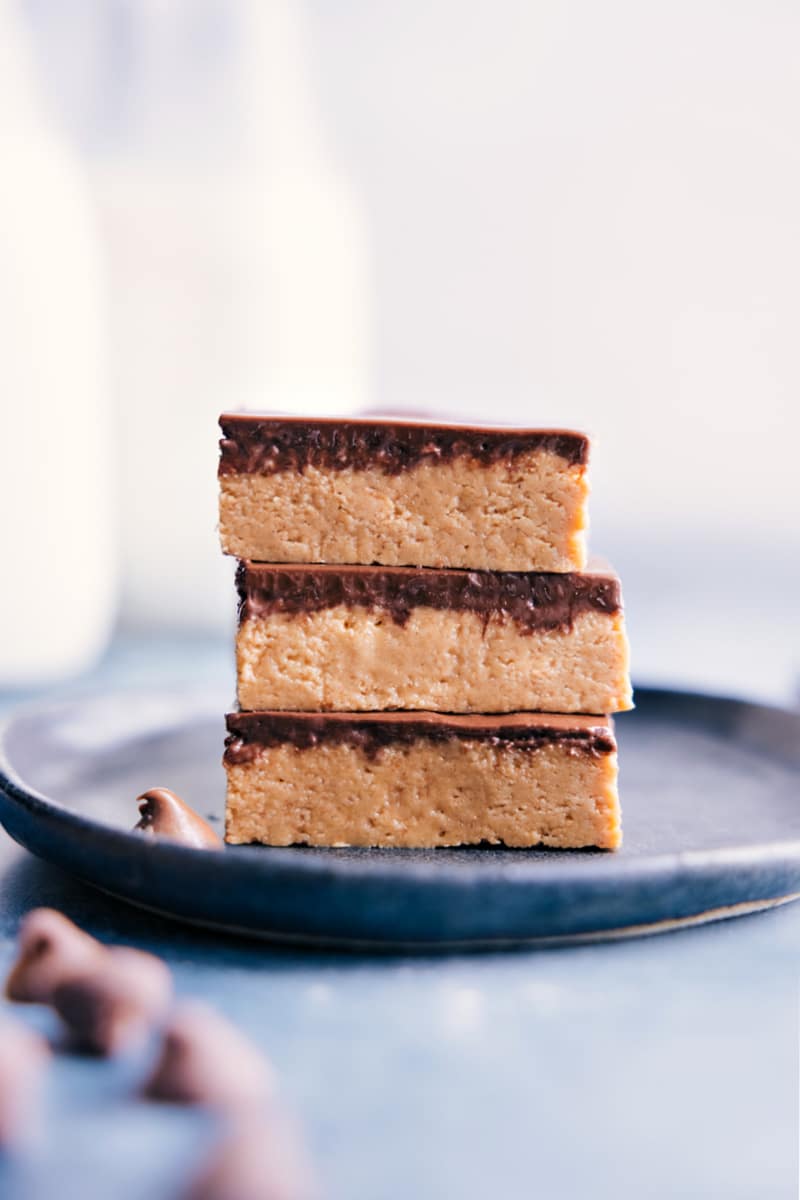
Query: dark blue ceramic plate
x: 711, y: 803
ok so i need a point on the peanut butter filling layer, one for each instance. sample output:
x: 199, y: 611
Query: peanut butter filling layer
x: 349, y: 658
x: 421, y: 793
x: 523, y: 513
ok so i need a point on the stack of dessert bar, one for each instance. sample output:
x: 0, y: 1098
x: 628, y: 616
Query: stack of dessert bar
x: 424, y: 657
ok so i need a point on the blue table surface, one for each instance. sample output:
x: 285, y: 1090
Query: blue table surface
x: 660, y: 1067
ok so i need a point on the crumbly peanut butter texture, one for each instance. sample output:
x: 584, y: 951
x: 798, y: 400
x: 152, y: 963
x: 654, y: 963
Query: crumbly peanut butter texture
x: 421, y: 794
x: 357, y: 659
x: 527, y: 514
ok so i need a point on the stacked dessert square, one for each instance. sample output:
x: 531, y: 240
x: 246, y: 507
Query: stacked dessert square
x: 424, y: 657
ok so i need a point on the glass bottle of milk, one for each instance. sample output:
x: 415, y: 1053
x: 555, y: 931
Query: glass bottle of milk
x: 57, y: 559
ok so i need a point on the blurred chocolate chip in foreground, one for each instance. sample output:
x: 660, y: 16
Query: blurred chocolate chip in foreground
x: 116, y: 1002
x: 206, y: 1061
x: 24, y: 1055
x: 51, y: 950
x: 260, y: 1157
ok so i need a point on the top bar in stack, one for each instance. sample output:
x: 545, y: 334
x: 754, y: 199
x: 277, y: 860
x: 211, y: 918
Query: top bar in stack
x: 400, y: 493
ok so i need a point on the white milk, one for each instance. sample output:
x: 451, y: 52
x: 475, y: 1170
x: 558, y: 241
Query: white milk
x: 57, y: 564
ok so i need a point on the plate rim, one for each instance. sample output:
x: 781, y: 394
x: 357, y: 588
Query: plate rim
x: 765, y: 871
x: 599, y: 864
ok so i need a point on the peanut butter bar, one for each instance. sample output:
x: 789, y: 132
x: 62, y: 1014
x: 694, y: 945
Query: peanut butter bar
x: 402, y: 494
x: 370, y: 638
x: 418, y: 780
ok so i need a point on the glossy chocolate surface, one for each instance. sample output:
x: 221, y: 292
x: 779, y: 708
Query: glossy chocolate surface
x: 260, y: 445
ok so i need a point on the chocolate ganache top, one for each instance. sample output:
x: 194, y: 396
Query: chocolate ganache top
x: 261, y: 445
x: 535, y: 601
x: 250, y: 732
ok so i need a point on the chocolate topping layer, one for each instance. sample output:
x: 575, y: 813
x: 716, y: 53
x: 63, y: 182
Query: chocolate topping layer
x: 533, y: 600
x: 250, y: 732
x: 255, y: 445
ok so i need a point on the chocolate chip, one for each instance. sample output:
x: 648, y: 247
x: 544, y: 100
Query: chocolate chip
x: 51, y: 950
x: 115, y: 1002
x: 163, y: 814
x: 205, y: 1060
x: 259, y: 1158
x: 23, y: 1057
